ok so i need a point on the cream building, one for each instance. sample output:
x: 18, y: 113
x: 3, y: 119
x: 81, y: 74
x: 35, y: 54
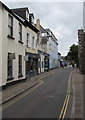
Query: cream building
x: 43, y: 48
x: 18, y: 43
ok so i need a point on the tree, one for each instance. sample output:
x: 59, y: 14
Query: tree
x: 73, y: 54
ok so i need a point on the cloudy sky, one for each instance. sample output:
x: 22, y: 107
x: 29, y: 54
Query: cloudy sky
x: 63, y: 18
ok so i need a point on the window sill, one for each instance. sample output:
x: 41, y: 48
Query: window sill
x: 20, y: 42
x: 20, y: 76
x: 11, y: 37
x: 10, y: 78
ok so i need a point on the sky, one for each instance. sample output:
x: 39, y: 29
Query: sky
x: 62, y: 18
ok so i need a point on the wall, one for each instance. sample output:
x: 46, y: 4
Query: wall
x: 13, y: 46
x: 53, y: 61
x: 81, y: 52
x: 31, y: 34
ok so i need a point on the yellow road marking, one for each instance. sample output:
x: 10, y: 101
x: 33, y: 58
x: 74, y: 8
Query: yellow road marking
x: 65, y: 108
x: 66, y: 101
x: 20, y: 97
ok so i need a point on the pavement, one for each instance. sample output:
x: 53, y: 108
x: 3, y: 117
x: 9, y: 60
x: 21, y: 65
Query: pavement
x: 76, y: 99
x: 75, y: 107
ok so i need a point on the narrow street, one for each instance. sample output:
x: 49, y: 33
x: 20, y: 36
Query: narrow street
x: 45, y: 101
x: 42, y: 59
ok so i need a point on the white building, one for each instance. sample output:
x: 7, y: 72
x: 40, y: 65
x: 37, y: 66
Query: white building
x: 18, y: 43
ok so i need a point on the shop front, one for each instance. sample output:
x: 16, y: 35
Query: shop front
x: 31, y: 64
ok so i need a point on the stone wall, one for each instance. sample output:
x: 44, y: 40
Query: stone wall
x: 81, y: 52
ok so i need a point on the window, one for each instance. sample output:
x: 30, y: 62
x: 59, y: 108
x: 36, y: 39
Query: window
x: 27, y: 38
x: 32, y: 42
x: 10, y: 66
x: 20, y: 32
x: 20, y: 66
x: 10, y: 26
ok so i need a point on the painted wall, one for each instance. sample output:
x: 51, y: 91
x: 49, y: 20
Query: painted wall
x: 13, y: 46
x: 53, y: 52
x: 29, y: 47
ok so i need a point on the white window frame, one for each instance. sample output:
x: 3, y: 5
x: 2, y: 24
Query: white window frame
x: 33, y: 42
x: 20, y: 32
x: 27, y: 41
x: 10, y: 25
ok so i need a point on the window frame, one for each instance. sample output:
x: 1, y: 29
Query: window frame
x: 27, y: 40
x: 20, y: 66
x: 33, y: 42
x: 10, y: 25
x: 9, y: 67
x: 20, y: 32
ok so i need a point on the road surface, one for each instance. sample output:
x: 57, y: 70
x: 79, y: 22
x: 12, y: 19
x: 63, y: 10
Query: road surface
x: 45, y: 101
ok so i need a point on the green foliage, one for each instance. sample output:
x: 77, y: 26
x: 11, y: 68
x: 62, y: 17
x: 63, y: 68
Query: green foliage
x: 73, y: 54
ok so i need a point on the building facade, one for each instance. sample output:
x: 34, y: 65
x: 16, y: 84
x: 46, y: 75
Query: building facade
x: 59, y: 59
x: 18, y: 45
x: 43, y: 48
x: 53, y: 50
x: 26, y: 49
x: 48, y: 48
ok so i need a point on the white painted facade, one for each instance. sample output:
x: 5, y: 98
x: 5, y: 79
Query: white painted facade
x: 8, y: 45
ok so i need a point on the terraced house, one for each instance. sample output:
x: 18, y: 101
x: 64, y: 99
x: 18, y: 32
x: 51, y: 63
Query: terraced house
x: 47, y: 48
x: 27, y: 49
x: 18, y: 43
x: 43, y: 48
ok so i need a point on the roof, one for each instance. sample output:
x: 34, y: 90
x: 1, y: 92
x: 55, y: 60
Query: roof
x: 23, y: 21
x: 51, y: 33
x: 24, y: 8
x: 42, y: 29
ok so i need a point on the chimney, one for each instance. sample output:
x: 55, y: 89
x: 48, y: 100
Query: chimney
x: 38, y: 24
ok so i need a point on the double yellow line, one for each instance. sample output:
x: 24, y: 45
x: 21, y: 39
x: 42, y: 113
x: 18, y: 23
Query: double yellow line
x: 66, y: 101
